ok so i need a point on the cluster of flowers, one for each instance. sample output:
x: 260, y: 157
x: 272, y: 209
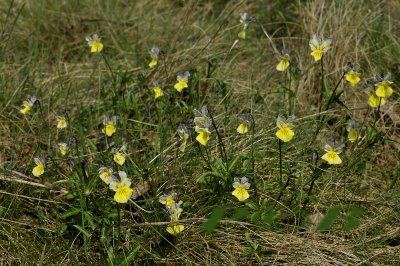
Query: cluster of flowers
x: 174, y: 211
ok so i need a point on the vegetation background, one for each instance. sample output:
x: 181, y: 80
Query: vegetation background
x: 43, y: 52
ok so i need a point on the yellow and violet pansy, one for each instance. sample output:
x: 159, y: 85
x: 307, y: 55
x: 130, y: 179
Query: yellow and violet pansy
x: 352, y: 75
x: 174, y: 213
x: 155, y: 52
x: 284, y: 60
x: 285, y: 128
x: 121, y: 186
x: 374, y: 100
x: 119, y: 155
x: 168, y: 199
x: 383, y: 86
x: 40, y: 162
x: 354, y: 131
x: 333, y: 149
x: 94, y: 43
x: 28, y: 104
x: 62, y: 121
x: 158, y: 92
x: 241, y: 187
x: 319, y: 46
x: 202, y: 125
x: 245, y: 22
x: 105, y: 173
x: 243, y: 127
x: 182, y: 81
x: 183, y: 133
x: 63, y: 148
x: 110, y: 125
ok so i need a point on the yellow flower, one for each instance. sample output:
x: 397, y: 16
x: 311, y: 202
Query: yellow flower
x: 332, y: 152
x: 105, y: 173
x: 354, y: 131
x: 168, y: 200
x: 182, y: 81
x: 245, y: 22
x: 243, y: 128
x: 109, y: 123
x: 122, y: 189
x: 375, y: 101
x: 203, y: 136
x: 61, y: 122
x: 384, y: 89
x: 119, y: 158
x: 283, y: 58
x: 175, y: 212
x: 285, y: 132
x: 352, y: 77
x: 184, y: 136
x: 63, y: 148
x: 28, y: 104
x: 154, y: 57
x: 94, y: 43
x: 158, y: 92
x: 38, y: 170
x: 319, y: 46
x: 241, y: 186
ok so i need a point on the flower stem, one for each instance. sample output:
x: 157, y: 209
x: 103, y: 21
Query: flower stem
x: 280, y: 164
x: 377, y: 111
x: 221, y: 142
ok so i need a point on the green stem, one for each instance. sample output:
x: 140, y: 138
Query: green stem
x: 221, y: 142
x: 377, y: 111
x: 280, y: 164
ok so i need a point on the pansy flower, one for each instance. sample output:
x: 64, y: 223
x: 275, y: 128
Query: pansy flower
x: 119, y: 155
x: 105, y: 173
x: 243, y: 127
x: 383, y: 85
x: 168, y: 199
x: 319, y: 46
x: 354, y: 131
x: 245, y: 21
x: 183, y: 133
x: 62, y: 120
x: 352, y: 75
x: 241, y: 187
x: 94, y: 43
x: 110, y: 123
x: 182, y: 81
x: 28, y: 104
x: 285, y: 128
x: 155, y: 51
x: 333, y: 149
x: 40, y: 162
x: 121, y: 186
x: 158, y: 92
x: 174, y: 213
x: 202, y: 125
x: 284, y: 60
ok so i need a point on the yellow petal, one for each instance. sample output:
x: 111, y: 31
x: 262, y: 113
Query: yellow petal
x: 242, y: 34
x: 317, y: 54
x: 105, y: 176
x: 353, y: 78
x: 353, y: 135
x: 63, y: 150
x: 384, y: 90
x: 285, y: 134
x: 283, y: 65
x: 169, y: 203
x: 175, y: 229
x: 26, y: 109
x: 243, y: 128
x: 153, y: 62
x: 158, y: 92
x: 123, y: 194
x: 241, y: 193
x: 332, y: 157
x: 182, y: 147
x: 109, y: 129
x: 38, y: 170
x: 62, y: 123
x: 96, y: 47
x: 180, y: 85
x: 119, y: 158
x: 203, y: 137
x: 374, y: 101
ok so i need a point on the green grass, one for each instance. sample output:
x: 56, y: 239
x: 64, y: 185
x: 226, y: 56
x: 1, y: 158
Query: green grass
x: 300, y: 211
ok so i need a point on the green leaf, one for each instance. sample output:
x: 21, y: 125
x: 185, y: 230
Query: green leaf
x: 82, y: 230
x: 329, y: 218
x: 352, y: 220
x: 130, y: 256
x: 71, y: 212
x: 213, y: 219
